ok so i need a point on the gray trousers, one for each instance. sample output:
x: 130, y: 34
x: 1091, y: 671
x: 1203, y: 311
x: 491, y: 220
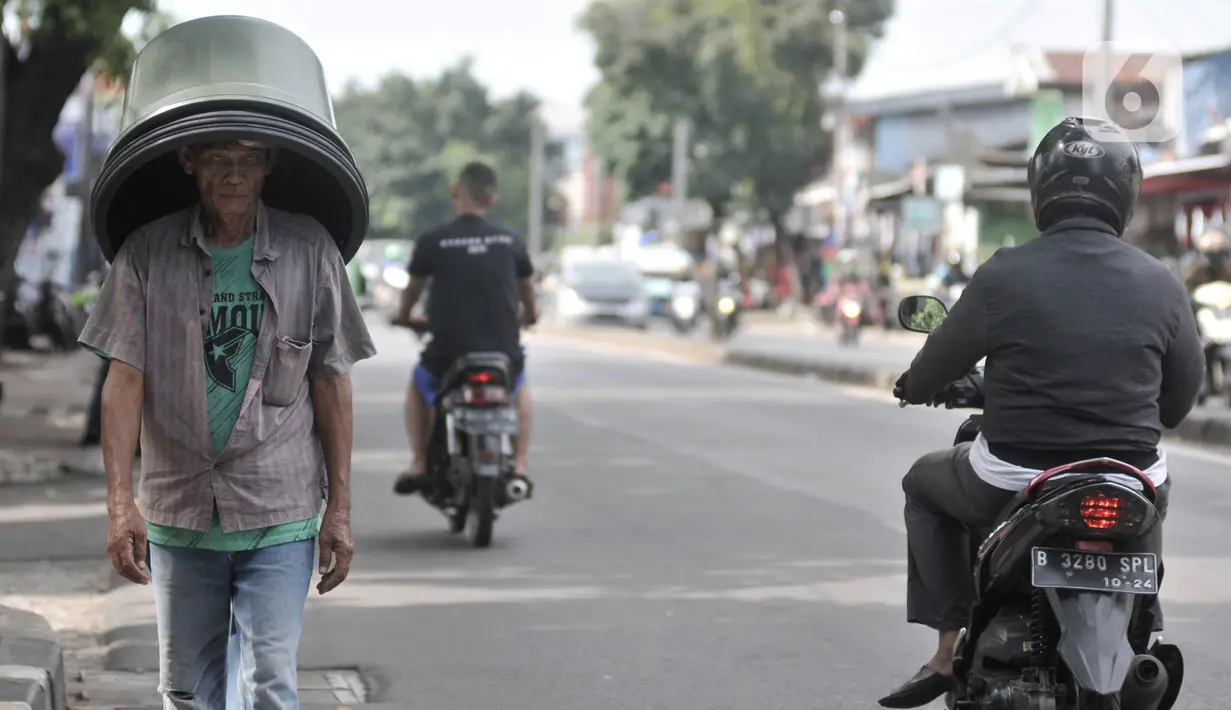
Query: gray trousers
x: 944, y: 499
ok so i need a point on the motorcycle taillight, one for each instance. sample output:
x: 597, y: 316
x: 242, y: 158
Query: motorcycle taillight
x: 484, y: 394
x: 1100, y: 511
x: 1103, y: 509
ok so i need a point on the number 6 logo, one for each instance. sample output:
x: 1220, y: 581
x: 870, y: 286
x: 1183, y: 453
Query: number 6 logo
x: 1146, y: 99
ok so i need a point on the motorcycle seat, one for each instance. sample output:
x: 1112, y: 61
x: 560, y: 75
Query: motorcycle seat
x: 1054, y: 478
x: 475, y: 361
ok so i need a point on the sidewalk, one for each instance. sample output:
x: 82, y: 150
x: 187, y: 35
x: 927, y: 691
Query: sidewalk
x: 43, y: 415
x: 73, y: 635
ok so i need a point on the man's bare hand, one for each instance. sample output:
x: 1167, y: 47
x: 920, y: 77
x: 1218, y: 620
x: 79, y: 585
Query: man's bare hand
x: 128, y: 543
x: 336, y: 549
x: 415, y: 323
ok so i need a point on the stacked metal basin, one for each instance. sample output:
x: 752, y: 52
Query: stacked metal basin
x: 228, y: 78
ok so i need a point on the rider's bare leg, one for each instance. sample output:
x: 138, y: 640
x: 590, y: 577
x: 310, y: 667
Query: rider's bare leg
x: 419, y: 423
x: 410, y: 420
x: 525, y: 420
x: 942, y: 662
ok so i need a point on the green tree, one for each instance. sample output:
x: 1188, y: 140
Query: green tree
x: 747, y: 73
x: 57, y: 42
x: 930, y: 315
x: 411, y: 138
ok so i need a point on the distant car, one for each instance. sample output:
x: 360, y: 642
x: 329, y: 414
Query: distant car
x: 358, y: 284
x: 381, y: 266
x: 601, y: 290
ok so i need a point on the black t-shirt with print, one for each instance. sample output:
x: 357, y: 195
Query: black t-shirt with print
x: 474, y: 266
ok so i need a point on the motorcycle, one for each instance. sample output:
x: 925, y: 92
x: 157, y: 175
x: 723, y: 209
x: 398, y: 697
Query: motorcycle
x: 954, y: 292
x: 686, y: 307
x: 44, y: 309
x: 1065, y: 596
x: 726, y: 317
x: 850, y: 315
x: 470, y: 476
x: 1213, y: 304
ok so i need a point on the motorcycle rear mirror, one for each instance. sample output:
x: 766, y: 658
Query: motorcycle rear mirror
x: 921, y: 314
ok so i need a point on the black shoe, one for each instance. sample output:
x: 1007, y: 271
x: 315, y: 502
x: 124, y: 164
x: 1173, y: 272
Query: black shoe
x: 926, y: 686
x: 409, y: 484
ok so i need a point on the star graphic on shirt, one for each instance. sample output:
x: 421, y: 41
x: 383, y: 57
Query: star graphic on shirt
x: 221, y: 350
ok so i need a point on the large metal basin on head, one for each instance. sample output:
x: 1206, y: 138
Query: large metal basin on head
x: 228, y: 78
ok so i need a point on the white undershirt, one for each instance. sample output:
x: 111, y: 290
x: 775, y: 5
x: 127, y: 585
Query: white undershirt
x: 1006, y: 476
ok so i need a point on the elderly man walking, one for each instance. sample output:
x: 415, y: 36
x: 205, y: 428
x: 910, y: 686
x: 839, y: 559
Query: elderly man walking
x: 231, y: 332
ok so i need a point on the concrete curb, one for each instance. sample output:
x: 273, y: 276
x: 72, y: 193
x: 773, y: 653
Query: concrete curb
x: 130, y: 634
x: 830, y: 371
x: 1198, y: 428
x: 703, y: 351
x: 46, y: 465
x: 31, y: 662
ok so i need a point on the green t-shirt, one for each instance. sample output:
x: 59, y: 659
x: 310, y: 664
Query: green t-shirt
x: 230, y: 348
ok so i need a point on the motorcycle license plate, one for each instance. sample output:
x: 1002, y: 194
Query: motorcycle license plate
x: 500, y: 420
x: 1130, y: 573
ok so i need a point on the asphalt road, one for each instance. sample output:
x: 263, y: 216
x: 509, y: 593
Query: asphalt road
x: 701, y: 538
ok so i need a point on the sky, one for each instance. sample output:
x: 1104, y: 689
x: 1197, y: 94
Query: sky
x: 535, y: 44
x: 946, y: 43
x: 516, y: 44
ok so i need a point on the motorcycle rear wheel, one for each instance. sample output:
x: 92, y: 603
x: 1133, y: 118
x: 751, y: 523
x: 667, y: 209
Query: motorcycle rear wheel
x: 482, y: 511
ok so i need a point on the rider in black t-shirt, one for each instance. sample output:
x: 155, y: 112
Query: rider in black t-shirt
x: 481, y: 276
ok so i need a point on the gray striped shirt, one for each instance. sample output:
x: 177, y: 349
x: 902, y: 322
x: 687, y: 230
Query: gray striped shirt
x: 154, y: 314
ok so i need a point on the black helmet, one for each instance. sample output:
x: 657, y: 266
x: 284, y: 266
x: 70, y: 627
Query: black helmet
x: 1085, y: 167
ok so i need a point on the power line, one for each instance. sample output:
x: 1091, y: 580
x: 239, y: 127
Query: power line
x: 996, y: 37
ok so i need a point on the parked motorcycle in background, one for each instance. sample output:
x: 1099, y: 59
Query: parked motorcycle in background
x: 41, y: 310
x: 1213, y: 304
x: 1065, y: 583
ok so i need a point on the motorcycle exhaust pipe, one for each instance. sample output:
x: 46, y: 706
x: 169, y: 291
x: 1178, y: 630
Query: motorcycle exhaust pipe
x: 517, y: 489
x: 1146, y: 683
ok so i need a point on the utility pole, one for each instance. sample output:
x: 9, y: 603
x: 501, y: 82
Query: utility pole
x: 596, y: 201
x: 86, y: 176
x: 838, y: 18
x: 538, y: 141
x: 681, y: 140
x: 1107, y: 77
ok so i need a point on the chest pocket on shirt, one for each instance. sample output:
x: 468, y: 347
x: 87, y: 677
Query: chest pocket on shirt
x: 288, y: 371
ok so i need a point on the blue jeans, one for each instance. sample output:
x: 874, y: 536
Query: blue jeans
x: 229, y: 625
x: 429, y: 384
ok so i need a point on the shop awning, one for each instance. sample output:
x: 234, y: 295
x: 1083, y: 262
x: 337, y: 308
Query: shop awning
x: 1205, y: 172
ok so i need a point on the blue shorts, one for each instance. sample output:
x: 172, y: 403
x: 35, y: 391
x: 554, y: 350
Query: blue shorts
x: 429, y: 384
